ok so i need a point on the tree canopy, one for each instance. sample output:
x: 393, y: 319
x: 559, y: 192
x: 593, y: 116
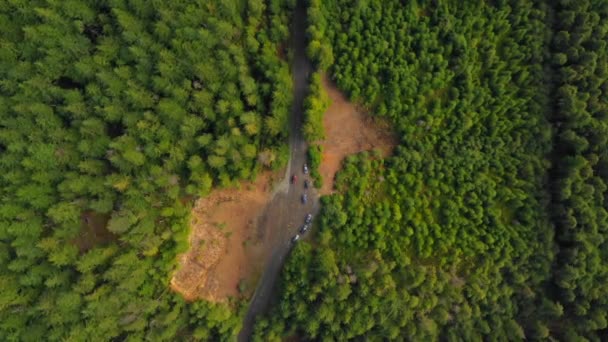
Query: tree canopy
x: 489, y: 221
x: 119, y: 111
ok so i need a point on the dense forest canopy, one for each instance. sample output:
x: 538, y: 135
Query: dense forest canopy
x: 120, y: 111
x: 489, y: 221
x: 580, y: 174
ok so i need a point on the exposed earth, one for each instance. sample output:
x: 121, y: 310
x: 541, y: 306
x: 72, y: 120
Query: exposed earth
x: 348, y: 130
x: 241, y: 237
x: 285, y: 213
x: 227, y: 250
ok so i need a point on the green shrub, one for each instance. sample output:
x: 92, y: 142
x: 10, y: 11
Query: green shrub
x: 315, y: 153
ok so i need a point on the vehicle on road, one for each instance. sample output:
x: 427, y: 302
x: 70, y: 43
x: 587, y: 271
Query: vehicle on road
x: 305, y: 169
x: 270, y: 276
x: 295, y: 238
x: 304, y: 229
x: 294, y: 178
x: 306, y: 184
x: 304, y: 198
x: 308, y: 218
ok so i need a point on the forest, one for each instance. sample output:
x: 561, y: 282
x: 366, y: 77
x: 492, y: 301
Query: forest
x: 489, y: 221
x: 114, y: 116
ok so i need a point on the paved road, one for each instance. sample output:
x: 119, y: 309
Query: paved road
x: 285, y: 214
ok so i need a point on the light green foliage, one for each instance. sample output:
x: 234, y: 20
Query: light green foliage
x: 315, y: 105
x: 315, y: 153
x: 124, y: 108
x: 319, y: 47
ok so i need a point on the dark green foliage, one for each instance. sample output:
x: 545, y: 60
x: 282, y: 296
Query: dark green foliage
x: 124, y: 108
x: 450, y: 238
x: 580, y: 173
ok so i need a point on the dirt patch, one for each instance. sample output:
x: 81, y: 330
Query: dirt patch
x: 348, y: 130
x: 93, y: 231
x: 226, y: 251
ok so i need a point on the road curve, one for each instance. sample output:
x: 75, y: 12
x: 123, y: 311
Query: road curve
x: 285, y: 211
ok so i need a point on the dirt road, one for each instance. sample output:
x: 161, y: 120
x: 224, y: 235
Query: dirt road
x: 285, y: 214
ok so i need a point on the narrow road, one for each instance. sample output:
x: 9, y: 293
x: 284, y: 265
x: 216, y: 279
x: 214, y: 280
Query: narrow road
x: 286, y: 212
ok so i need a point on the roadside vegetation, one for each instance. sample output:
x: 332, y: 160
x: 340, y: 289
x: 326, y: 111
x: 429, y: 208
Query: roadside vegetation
x: 317, y: 100
x: 489, y: 220
x: 316, y: 103
x: 126, y: 111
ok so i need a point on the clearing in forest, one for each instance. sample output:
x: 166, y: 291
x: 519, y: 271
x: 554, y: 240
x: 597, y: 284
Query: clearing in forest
x: 348, y: 130
x: 226, y: 250
x: 94, y: 231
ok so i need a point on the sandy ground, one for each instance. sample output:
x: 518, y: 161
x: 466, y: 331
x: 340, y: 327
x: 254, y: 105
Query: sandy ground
x: 225, y: 246
x: 348, y: 130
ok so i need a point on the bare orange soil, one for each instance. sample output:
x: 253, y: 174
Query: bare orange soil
x: 224, y: 249
x: 348, y: 130
x: 225, y: 246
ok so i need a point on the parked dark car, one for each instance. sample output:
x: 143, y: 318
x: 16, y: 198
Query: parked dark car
x: 304, y: 198
x: 304, y: 229
x: 294, y: 178
x: 306, y: 184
